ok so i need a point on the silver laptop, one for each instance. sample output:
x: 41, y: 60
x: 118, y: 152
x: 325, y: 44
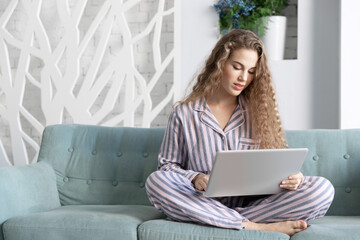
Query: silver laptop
x: 253, y: 172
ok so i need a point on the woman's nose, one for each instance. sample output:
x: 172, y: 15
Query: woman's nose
x: 243, y: 76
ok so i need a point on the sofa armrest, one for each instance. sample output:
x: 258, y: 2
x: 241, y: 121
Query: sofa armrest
x: 27, y: 189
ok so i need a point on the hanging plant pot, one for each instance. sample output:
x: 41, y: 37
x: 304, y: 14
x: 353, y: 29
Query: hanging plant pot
x: 274, y: 38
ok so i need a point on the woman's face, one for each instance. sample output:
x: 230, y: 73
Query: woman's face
x: 239, y: 71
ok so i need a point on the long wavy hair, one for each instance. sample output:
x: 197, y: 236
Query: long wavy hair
x: 259, y: 95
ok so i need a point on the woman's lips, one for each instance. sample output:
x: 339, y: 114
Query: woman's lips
x: 238, y: 86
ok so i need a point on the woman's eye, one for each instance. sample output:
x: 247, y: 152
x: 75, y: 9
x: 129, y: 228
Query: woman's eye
x: 252, y: 73
x: 236, y: 68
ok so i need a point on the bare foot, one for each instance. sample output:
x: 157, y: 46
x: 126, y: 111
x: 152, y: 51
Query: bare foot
x: 287, y: 227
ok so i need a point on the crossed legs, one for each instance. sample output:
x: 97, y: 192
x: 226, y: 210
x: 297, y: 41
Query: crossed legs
x: 285, y: 212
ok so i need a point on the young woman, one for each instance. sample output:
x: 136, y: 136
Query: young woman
x: 232, y: 106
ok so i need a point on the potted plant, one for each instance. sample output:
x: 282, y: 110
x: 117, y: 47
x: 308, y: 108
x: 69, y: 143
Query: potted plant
x: 248, y: 14
x: 260, y: 16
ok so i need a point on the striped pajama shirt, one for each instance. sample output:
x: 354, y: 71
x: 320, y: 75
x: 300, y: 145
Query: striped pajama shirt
x: 192, y: 138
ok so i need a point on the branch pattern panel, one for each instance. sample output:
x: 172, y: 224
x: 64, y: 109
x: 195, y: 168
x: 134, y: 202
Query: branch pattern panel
x: 100, y: 62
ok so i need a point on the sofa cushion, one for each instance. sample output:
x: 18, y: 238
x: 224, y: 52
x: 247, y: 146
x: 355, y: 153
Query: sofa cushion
x: 81, y: 222
x: 166, y: 229
x: 27, y: 189
x: 331, y: 228
x: 98, y: 165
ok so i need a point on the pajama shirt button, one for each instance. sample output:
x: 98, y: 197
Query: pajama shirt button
x: 346, y: 156
x: 115, y: 183
x: 88, y: 182
x: 315, y: 158
x: 119, y: 154
x: 145, y: 154
x: 141, y: 184
x: 70, y: 150
x: 94, y: 152
x: 66, y: 179
x: 348, y: 190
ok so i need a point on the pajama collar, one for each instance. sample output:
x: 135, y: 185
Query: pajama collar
x: 208, y: 118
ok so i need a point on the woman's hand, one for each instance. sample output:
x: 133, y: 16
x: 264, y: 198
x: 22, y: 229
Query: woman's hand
x: 293, y: 182
x: 200, y: 181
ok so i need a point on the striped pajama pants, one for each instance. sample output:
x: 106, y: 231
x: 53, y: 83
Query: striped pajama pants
x: 175, y: 196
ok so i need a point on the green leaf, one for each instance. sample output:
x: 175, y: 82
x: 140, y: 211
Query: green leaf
x: 265, y: 12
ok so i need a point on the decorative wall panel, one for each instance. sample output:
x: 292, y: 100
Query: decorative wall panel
x: 104, y: 62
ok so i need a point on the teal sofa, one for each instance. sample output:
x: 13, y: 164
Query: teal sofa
x: 88, y: 183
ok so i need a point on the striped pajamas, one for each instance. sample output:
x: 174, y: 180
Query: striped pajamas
x: 192, y: 138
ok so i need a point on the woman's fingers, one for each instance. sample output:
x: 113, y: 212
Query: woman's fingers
x: 293, y: 182
x: 290, y: 187
x: 201, y: 181
x: 200, y: 185
x: 299, y: 175
x: 290, y: 184
x: 203, y: 185
x: 205, y: 182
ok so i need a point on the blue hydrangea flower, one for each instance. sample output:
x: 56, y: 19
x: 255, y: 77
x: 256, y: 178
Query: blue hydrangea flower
x: 236, y: 24
x: 230, y: 3
x: 242, y: 8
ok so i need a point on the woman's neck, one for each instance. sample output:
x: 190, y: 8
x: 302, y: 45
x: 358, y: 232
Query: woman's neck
x: 222, y: 100
x: 222, y: 108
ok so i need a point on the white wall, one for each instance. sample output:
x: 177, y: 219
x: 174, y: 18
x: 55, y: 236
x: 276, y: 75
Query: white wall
x: 199, y: 34
x: 350, y: 52
x: 308, y: 87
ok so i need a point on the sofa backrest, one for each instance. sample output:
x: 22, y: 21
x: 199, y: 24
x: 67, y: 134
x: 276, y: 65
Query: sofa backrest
x: 335, y: 155
x: 101, y: 165
x: 109, y: 165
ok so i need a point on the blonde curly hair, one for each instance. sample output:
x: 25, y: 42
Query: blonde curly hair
x: 259, y: 95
